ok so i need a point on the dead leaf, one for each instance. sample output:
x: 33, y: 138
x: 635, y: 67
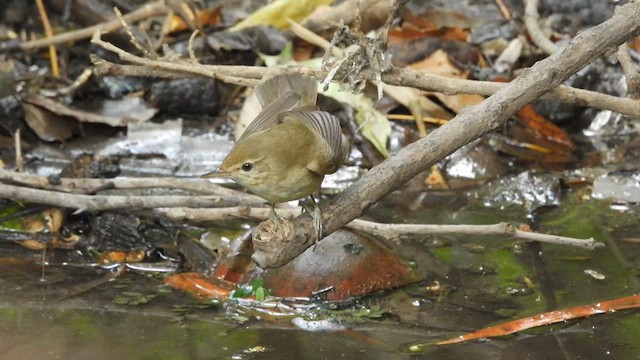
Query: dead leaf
x: 438, y: 63
x: 47, y: 125
x: 435, y: 23
x: 120, y: 112
x: 206, y: 17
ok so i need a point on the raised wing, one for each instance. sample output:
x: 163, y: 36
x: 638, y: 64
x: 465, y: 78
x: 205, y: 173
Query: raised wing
x: 269, y: 114
x: 280, y: 94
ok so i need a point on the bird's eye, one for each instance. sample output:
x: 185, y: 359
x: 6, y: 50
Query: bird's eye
x: 247, y: 166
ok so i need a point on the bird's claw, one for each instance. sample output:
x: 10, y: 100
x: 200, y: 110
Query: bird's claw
x: 317, y: 223
x: 313, y: 209
x: 276, y: 219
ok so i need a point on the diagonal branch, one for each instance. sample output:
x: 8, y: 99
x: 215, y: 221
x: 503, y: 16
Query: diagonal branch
x: 273, y: 249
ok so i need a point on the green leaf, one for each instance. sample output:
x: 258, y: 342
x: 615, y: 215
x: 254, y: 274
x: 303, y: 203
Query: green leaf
x: 260, y: 294
x: 257, y: 283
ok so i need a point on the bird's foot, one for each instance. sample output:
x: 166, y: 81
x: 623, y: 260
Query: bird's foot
x: 276, y: 219
x: 313, y: 209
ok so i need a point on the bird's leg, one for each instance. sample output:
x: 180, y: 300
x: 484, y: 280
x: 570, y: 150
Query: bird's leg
x: 275, y: 218
x: 313, y: 209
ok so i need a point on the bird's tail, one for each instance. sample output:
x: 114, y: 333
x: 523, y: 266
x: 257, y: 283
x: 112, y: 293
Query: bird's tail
x: 303, y: 85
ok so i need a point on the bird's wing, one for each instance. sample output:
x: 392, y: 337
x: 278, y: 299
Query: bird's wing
x: 279, y: 94
x: 269, y: 114
x: 328, y: 127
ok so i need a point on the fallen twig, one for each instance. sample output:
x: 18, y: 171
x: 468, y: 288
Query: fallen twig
x: 504, y: 11
x: 386, y: 231
x: 234, y: 74
x: 82, y: 185
x: 109, y: 202
x: 18, y: 145
x: 53, y: 55
x: 538, y: 37
x: 630, y: 70
x: 250, y: 76
x: 144, y: 12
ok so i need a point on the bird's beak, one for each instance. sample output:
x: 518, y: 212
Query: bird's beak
x: 215, y: 174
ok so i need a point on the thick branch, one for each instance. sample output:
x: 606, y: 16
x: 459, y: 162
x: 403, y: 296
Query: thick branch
x: 468, y: 125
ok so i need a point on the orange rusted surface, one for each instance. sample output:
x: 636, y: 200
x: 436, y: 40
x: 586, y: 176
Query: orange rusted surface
x: 349, y: 264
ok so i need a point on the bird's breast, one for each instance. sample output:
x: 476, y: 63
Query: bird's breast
x: 295, y: 185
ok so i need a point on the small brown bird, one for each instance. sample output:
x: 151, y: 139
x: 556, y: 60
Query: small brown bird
x: 289, y: 147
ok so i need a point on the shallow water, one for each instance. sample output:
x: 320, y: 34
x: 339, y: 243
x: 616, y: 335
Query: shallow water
x: 79, y: 313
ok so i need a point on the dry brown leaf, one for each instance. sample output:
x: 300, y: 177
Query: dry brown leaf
x: 439, y: 64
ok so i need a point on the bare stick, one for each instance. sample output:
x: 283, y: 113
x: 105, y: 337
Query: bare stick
x: 108, y: 202
x: 212, y: 71
x: 273, y: 249
x: 55, y: 70
x: 504, y: 11
x: 562, y: 93
x: 531, y: 17
x: 148, y: 52
x: 630, y: 70
x: 19, y: 158
x: 145, y: 11
x: 386, y: 231
x: 249, y: 76
x: 202, y: 186
x: 501, y: 229
x: 192, y: 53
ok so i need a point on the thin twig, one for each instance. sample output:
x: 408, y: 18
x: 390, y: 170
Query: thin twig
x: 630, y: 70
x: 148, y: 52
x: 83, y: 185
x: 538, y: 37
x: 504, y: 10
x: 192, y: 53
x: 562, y: 93
x: 212, y: 71
x: 386, y: 27
x: 249, y: 76
x: 386, y: 231
x: 108, y: 202
x: 144, y: 12
x: 53, y: 55
x: 19, y: 158
x: 79, y: 81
